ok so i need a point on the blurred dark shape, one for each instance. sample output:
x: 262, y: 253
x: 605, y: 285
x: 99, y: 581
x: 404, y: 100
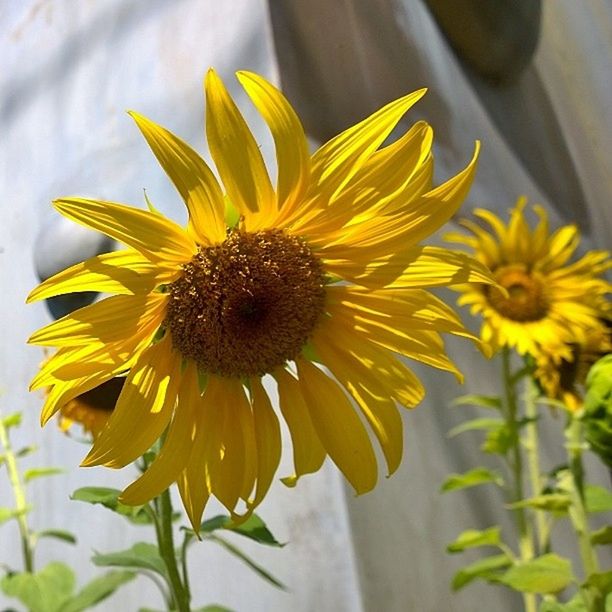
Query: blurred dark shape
x: 60, y: 244
x: 495, y: 39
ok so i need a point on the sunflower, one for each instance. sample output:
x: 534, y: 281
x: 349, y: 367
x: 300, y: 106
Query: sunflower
x: 562, y: 372
x: 324, y: 270
x: 548, y: 304
x: 93, y: 408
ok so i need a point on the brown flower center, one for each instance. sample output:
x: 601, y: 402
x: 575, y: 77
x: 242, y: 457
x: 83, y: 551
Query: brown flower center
x: 526, y: 299
x: 248, y: 305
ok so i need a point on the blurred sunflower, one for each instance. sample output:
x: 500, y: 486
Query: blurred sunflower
x: 324, y: 269
x: 549, y: 303
x: 93, y: 408
x: 561, y: 372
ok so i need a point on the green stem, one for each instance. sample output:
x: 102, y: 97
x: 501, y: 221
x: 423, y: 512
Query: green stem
x: 578, y: 513
x: 20, y: 498
x: 532, y: 450
x: 516, y: 467
x: 168, y: 552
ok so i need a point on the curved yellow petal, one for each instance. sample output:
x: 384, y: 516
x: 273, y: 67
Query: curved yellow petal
x: 292, y: 154
x: 308, y: 452
x: 110, y: 320
x: 337, y: 161
x: 371, y: 396
x: 416, y: 267
x: 192, y: 178
x: 338, y: 427
x: 157, y: 238
x: 236, y: 153
x: 118, y: 272
x: 176, y: 450
x: 268, y: 440
x: 143, y: 409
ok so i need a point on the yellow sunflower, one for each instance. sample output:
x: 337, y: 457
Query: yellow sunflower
x: 326, y: 269
x: 561, y: 372
x: 549, y: 303
x: 93, y: 408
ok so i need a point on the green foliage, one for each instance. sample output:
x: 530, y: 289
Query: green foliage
x: 498, y: 441
x: 477, y: 476
x: 57, y: 534
x: 602, y: 536
x: 141, y: 556
x: 34, y: 473
x: 12, y: 420
x: 109, y: 498
x: 52, y: 589
x: 597, y: 499
x: 575, y: 604
x: 6, y: 514
x: 489, y: 569
x: 473, y: 538
x: 552, y: 502
x: 598, y: 409
x: 253, y: 528
x: 491, y: 402
x: 481, y: 424
x: 546, y: 574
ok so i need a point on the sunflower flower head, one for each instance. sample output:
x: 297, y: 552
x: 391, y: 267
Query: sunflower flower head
x: 322, y: 270
x: 550, y: 300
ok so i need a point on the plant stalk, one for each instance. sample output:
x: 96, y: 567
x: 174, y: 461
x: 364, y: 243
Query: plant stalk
x: 20, y: 498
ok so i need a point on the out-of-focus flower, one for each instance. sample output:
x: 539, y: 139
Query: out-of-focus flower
x: 325, y: 269
x: 561, y: 372
x: 93, y: 408
x: 550, y: 303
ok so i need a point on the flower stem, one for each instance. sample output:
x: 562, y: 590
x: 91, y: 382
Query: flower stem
x: 532, y: 450
x: 578, y: 513
x: 20, y: 499
x: 168, y: 553
x: 516, y: 467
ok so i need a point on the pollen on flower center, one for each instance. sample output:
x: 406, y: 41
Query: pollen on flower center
x: 246, y: 306
x: 526, y: 299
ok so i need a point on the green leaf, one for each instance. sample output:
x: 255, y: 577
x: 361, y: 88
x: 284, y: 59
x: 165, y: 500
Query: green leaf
x: 141, y: 556
x: 475, y: 424
x: 216, y: 522
x: 254, y: 566
x: 109, y: 498
x: 58, y: 534
x: 553, y: 502
x: 98, y: 590
x: 485, y: 569
x: 473, y: 538
x: 597, y: 499
x: 44, y: 591
x: 477, y: 476
x: 546, y: 574
x: 602, y: 536
x: 575, y: 604
x: 33, y: 473
x: 213, y: 608
x: 498, y: 441
x: 491, y: 402
x: 12, y: 420
x: 601, y: 582
x: 6, y: 514
x: 26, y: 450
x: 253, y: 528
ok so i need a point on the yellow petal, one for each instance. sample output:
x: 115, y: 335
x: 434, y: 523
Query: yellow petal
x: 117, y: 272
x: 371, y: 396
x: 143, y: 408
x: 157, y: 238
x: 308, y: 452
x: 415, y: 267
x: 292, y: 153
x: 375, y: 363
x: 338, y: 427
x: 409, y: 224
x: 268, y: 439
x: 192, y: 178
x: 337, y: 161
x: 176, y: 450
x: 110, y: 320
x: 236, y: 153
